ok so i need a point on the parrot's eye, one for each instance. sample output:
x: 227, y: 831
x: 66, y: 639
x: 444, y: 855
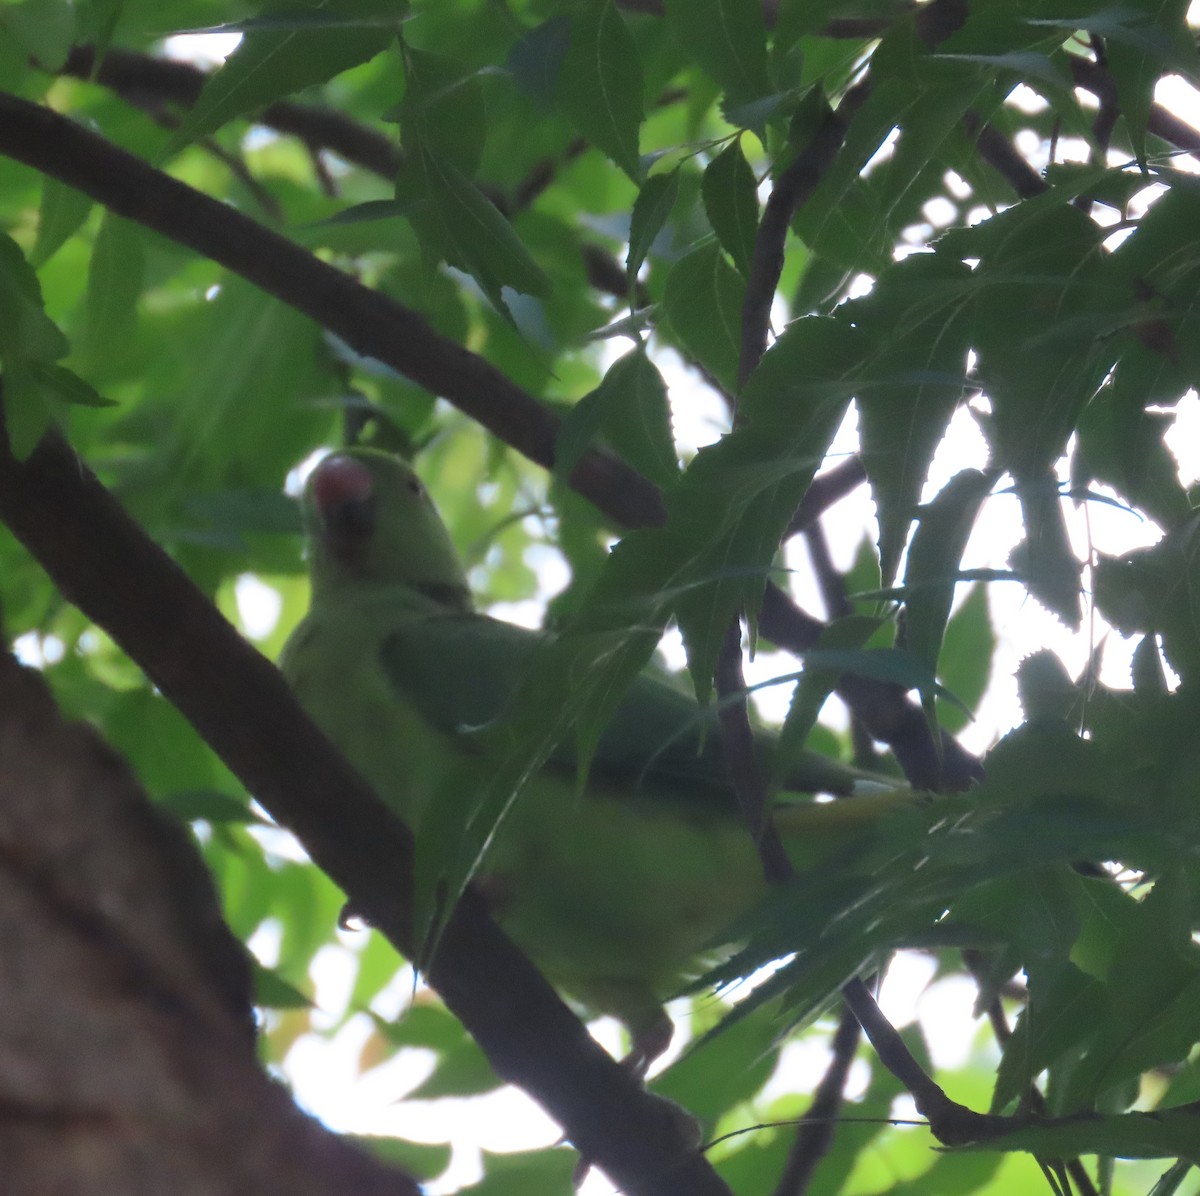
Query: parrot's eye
x: 414, y: 484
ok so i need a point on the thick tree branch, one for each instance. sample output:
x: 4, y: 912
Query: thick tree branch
x: 127, y: 1058
x: 104, y: 563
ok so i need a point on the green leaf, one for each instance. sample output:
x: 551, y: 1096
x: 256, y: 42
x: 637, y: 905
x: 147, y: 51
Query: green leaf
x: 27, y: 409
x: 1041, y: 306
x: 815, y: 685
x: 729, y: 513
x: 273, y: 62
x: 1044, y: 559
x: 474, y: 236
x: 116, y: 276
x: 67, y: 387
x: 728, y: 39
x: 45, y: 29
x: 272, y: 991
x: 702, y: 301
x: 1162, y: 1133
x: 62, y: 212
x: 26, y: 332
x: 1121, y: 443
x: 1152, y: 1016
x: 423, y: 1160
x: 727, y: 1068
x: 208, y: 805
x: 98, y: 20
x: 1157, y: 590
x: 913, y: 382
x: 1143, y: 40
x: 536, y: 60
x: 965, y: 662
x: 651, y: 211
x: 730, y: 194
x: 1060, y: 1018
x: 630, y: 406
x: 443, y: 110
x: 933, y: 560
x: 600, y: 86
x: 462, y: 1070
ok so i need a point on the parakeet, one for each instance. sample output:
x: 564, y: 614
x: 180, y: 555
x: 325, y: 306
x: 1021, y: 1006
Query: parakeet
x: 620, y: 894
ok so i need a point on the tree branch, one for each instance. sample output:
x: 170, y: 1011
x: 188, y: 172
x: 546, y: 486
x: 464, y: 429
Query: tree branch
x: 147, y: 81
x: 815, y: 1133
x: 370, y: 322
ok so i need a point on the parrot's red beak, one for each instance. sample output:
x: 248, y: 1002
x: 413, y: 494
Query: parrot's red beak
x: 343, y: 491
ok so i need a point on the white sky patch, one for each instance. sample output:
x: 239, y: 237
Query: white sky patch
x: 265, y: 942
x: 258, y: 606
x: 201, y: 49
x: 1180, y: 97
x: 37, y: 651
x: 1025, y: 99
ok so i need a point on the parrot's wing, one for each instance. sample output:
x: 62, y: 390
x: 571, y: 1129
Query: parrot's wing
x: 461, y: 671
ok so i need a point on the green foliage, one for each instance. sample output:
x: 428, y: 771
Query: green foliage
x: 525, y: 176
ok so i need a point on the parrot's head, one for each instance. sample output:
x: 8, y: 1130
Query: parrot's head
x: 370, y: 522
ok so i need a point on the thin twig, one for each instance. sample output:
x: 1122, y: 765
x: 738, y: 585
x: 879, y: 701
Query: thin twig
x: 815, y: 1134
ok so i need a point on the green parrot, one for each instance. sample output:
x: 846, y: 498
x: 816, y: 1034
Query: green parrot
x: 619, y: 895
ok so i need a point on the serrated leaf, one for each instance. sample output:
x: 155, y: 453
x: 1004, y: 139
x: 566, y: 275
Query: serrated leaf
x: 815, y: 685
x: 702, y: 300
x: 1152, y: 1016
x: 738, y: 496
x: 443, y: 110
x: 536, y: 60
x: 1121, y: 443
x: 965, y: 662
x: 1039, y: 315
x: 630, y: 406
x: 1061, y: 1015
x: 26, y: 332
x: 600, y: 85
x: 475, y: 236
x: 1157, y: 590
x: 917, y: 316
x: 651, y: 211
x: 933, y: 561
x: 1143, y: 40
x: 728, y: 39
x: 1044, y: 559
x: 270, y: 63
x: 730, y: 195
